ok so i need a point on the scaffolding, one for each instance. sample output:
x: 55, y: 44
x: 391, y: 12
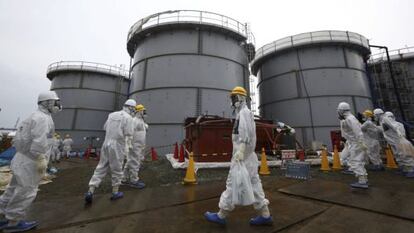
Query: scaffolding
x: 383, y: 88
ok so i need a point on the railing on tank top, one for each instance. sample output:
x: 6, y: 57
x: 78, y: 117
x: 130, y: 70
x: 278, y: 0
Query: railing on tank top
x: 89, y: 66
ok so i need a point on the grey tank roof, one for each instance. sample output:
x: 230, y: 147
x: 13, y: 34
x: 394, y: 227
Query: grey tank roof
x: 67, y: 66
x: 168, y: 20
x: 310, y: 39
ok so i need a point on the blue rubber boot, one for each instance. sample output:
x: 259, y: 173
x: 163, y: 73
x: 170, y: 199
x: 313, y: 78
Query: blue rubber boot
x: 409, y: 174
x: 3, y: 223
x: 359, y: 185
x: 260, y: 221
x: 137, y: 184
x: 348, y: 172
x: 213, y: 217
x: 88, y: 197
x: 21, y: 226
x: 117, y: 195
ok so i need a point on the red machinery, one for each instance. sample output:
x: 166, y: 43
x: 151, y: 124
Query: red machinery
x: 336, y: 139
x: 209, y: 137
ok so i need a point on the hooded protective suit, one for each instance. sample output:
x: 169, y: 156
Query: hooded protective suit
x: 371, y: 138
x: 244, y: 138
x: 395, y: 136
x: 351, y: 131
x: 55, y: 155
x: 118, y: 126
x: 67, y: 146
x: 136, y: 154
x: 33, y: 142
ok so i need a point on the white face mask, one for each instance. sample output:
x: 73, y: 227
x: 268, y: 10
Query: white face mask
x: 53, y: 106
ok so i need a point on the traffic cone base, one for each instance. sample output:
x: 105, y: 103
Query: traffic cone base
x: 264, y: 169
x: 324, y: 161
x: 390, y: 159
x: 190, y: 177
x: 336, y: 161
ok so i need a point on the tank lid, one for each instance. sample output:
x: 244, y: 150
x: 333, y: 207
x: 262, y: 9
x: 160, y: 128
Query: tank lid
x: 184, y: 18
x: 310, y: 38
x: 63, y: 66
x: 395, y: 55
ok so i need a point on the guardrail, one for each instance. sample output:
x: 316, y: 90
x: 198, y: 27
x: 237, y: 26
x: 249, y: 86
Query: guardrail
x: 188, y: 16
x: 89, y: 66
x: 309, y: 38
x: 393, y: 54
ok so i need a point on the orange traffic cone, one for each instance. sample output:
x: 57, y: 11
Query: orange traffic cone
x: 154, y: 154
x: 190, y: 177
x: 264, y: 169
x: 181, y: 157
x: 176, y: 151
x: 301, y: 155
x: 324, y: 161
x: 390, y: 158
x: 336, y: 161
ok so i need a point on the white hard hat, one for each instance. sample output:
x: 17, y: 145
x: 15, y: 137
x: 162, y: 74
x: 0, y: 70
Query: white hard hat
x: 344, y: 106
x: 47, y: 95
x: 130, y: 102
x: 378, y: 111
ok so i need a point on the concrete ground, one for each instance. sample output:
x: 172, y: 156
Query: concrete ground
x: 325, y: 203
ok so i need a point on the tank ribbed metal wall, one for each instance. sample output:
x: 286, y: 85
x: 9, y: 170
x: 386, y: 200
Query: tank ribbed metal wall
x: 184, y: 64
x: 88, y: 93
x: 302, y: 79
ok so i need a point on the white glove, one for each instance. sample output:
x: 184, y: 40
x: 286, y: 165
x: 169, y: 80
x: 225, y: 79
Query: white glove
x: 41, y: 164
x: 239, y: 155
x: 146, y: 126
x: 128, y: 142
x: 292, y: 131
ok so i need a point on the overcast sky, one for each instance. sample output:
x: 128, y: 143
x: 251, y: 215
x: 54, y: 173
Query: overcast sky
x: 35, y: 33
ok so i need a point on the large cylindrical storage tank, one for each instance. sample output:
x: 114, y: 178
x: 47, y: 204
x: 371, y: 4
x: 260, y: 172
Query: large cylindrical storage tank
x: 302, y: 78
x: 88, y: 93
x: 402, y: 61
x: 184, y: 64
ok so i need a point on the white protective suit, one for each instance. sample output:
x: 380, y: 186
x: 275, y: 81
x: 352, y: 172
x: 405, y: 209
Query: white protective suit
x: 244, y: 132
x: 395, y: 136
x: 136, y: 155
x: 371, y: 138
x: 33, y: 141
x: 67, y: 146
x: 55, y: 155
x: 118, y: 126
x: 351, y: 131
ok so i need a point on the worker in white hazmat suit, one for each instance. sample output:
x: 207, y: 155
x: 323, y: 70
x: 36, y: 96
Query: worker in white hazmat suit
x: 351, y: 131
x: 55, y: 156
x: 136, y: 153
x: 371, y: 138
x: 33, y: 143
x: 395, y: 136
x: 67, y: 145
x: 119, y: 129
x: 244, y: 143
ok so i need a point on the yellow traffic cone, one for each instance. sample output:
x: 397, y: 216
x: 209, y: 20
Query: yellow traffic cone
x: 390, y: 158
x: 324, y: 161
x: 264, y: 169
x: 336, y: 161
x: 190, y: 177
